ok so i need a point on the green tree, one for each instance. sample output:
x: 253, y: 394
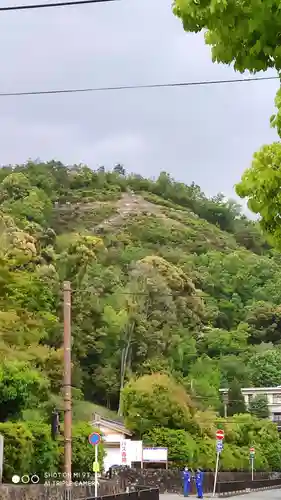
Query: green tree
x: 35, y: 207
x: 243, y: 33
x: 246, y: 34
x: 21, y: 387
x: 264, y: 320
x: 46, y: 451
x: 260, y: 184
x: 15, y: 186
x: 181, y: 445
x: 234, y: 367
x: 236, y: 403
x: 259, y: 406
x: 155, y: 400
x: 18, y: 442
x: 204, y: 382
x: 265, y: 368
x: 217, y: 342
x: 246, y: 431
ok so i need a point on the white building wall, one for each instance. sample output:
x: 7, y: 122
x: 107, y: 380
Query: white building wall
x: 114, y: 438
x: 273, y: 395
x: 112, y: 457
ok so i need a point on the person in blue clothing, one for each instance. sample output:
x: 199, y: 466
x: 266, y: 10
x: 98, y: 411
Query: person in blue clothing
x: 186, y: 477
x: 199, y: 483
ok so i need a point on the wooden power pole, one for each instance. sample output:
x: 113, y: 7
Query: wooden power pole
x: 67, y: 387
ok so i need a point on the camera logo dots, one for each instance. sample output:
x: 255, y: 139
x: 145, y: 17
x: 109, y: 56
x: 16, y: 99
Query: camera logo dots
x: 35, y: 479
x: 52, y: 478
x: 15, y: 479
x: 25, y: 479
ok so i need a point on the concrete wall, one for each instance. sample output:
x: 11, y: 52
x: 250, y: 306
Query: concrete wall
x: 41, y: 492
x: 170, y: 480
x: 166, y: 480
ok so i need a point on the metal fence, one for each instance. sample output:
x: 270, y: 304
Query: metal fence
x: 142, y: 494
x: 238, y: 486
x: 224, y: 488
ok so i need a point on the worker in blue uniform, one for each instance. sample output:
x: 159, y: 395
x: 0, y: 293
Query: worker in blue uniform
x: 199, y: 483
x: 186, y: 477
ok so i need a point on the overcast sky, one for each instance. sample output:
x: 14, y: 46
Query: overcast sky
x: 204, y: 134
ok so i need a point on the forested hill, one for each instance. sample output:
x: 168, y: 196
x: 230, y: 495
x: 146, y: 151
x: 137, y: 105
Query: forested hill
x: 164, y: 280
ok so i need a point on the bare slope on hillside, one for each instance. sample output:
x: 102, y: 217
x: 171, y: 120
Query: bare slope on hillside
x: 129, y: 204
x: 133, y: 210
x: 136, y: 210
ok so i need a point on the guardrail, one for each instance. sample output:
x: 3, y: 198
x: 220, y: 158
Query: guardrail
x: 142, y: 493
x: 233, y: 487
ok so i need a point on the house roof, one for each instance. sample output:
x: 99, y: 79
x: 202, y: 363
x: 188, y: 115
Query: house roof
x: 111, y: 424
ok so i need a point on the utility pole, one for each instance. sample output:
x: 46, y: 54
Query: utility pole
x: 67, y: 387
x: 225, y: 403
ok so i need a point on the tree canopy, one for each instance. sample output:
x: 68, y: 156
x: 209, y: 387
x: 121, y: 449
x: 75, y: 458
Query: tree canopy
x: 259, y: 406
x: 247, y: 35
x: 243, y: 33
x: 175, y: 294
x: 261, y: 184
x: 236, y: 402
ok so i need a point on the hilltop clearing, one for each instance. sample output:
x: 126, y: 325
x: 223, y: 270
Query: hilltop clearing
x: 107, y: 217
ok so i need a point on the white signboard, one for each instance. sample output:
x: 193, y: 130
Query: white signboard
x: 155, y: 455
x: 135, y: 450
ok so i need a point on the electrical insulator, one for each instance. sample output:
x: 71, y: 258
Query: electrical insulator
x: 55, y: 424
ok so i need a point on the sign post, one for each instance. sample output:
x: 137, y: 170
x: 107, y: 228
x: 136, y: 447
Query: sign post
x: 219, y: 448
x: 94, y: 440
x: 252, y: 458
x: 1, y: 456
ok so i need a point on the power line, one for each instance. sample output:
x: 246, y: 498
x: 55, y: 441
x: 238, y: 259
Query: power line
x: 51, y: 5
x: 104, y: 294
x: 134, y: 87
x: 114, y: 293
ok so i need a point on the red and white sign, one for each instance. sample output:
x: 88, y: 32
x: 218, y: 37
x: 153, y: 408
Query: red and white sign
x: 124, y: 452
x: 252, y: 450
x: 130, y: 451
x: 220, y: 434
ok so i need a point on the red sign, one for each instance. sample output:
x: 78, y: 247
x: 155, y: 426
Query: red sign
x: 123, y: 446
x: 220, y: 434
x: 252, y: 450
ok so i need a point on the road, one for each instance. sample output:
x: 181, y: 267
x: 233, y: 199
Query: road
x: 257, y: 495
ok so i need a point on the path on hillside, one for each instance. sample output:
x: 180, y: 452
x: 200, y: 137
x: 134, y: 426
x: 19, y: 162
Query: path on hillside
x: 255, y: 495
x: 129, y: 204
x: 132, y: 204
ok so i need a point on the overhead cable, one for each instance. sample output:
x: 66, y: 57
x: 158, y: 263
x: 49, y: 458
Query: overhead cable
x: 52, y: 5
x: 135, y: 87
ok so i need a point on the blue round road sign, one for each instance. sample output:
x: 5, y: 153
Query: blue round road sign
x: 94, y: 439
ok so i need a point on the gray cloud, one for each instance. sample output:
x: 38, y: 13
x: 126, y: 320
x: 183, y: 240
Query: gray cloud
x: 206, y: 134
